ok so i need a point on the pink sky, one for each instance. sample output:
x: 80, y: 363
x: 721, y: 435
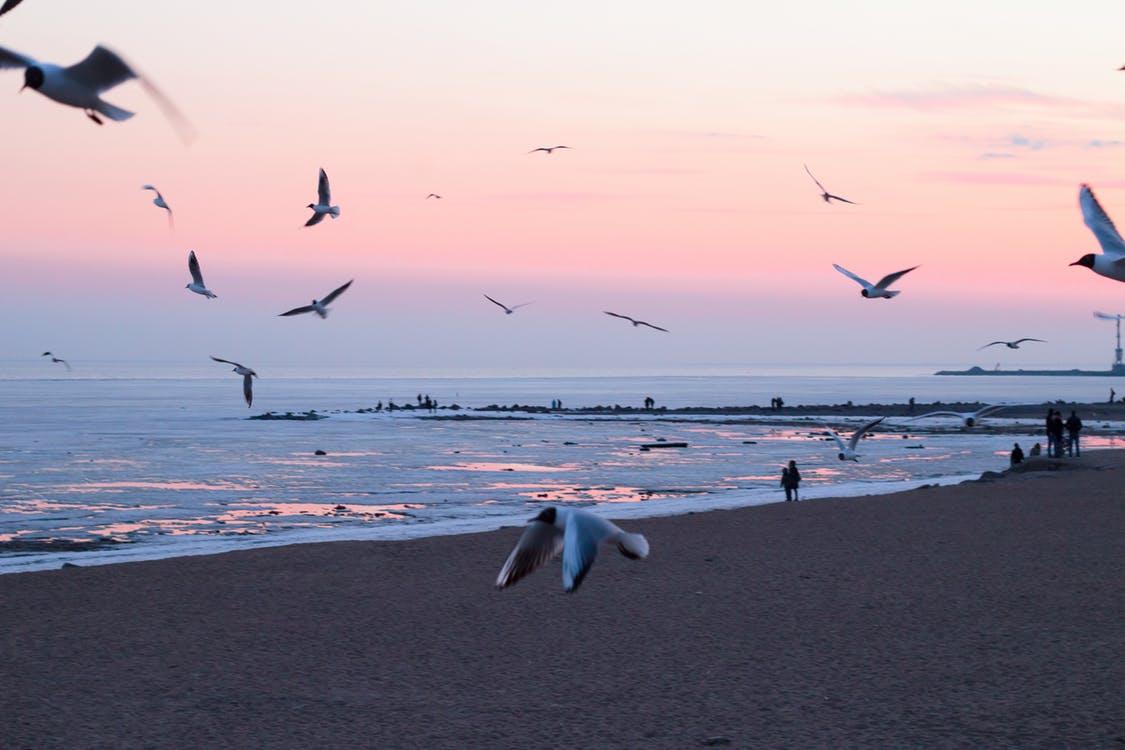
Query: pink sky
x: 963, y: 131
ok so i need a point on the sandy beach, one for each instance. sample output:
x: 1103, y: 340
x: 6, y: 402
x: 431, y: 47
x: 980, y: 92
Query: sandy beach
x: 987, y: 614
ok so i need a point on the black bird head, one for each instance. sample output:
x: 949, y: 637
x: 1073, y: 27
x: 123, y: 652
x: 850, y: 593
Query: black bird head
x: 32, y: 77
x: 547, y: 515
x: 311, y: 205
x: 864, y: 291
x: 1086, y: 260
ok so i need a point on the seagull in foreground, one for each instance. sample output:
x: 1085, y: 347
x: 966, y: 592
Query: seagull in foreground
x: 634, y: 321
x: 9, y: 5
x: 80, y: 85
x: 197, y: 284
x: 320, y: 307
x: 247, y: 378
x: 433, y: 195
x: 548, y: 149
x: 574, y: 532
x: 1111, y: 262
x: 847, y: 452
x: 54, y: 359
x: 323, y: 206
x: 159, y: 201
x: 968, y: 418
x: 1011, y: 344
x: 507, y: 310
x: 877, y: 290
x: 827, y: 196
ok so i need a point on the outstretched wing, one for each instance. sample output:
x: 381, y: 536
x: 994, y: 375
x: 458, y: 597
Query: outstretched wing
x: 891, y: 278
x: 193, y: 268
x: 1020, y: 341
x: 1100, y: 224
x: 584, y: 534
x: 323, y: 192
x: 650, y: 325
x: 335, y: 293
x: 10, y: 59
x: 862, y: 282
x: 102, y: 69
x: 225, y: 361
x: 623, y: 317
x: 501, y: 304
x: 314, y: 219
x: 9, y: 5
x: 297, y: 311
x: 938, y: 414
x: 539, y: 543
x: 994, y: 343
x: 862, y: 431
x: 842, y: 200
x: 814, y: 179
x: 835, y: 437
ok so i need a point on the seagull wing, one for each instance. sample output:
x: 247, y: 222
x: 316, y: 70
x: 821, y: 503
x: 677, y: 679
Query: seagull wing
x: 539, y: 543
x: 891, y: 278
x: 938, y: 414
x: 10, y: 59
x: 193, y: 267
x: 335, y: 293
x: 323, y: 192
x: 1099, y: 223
x: 862, y: 431
x: 835, y: 437
x: 815, y: 180
x: 9, y: 5
x: 623, y: 317
x: 248, y: 389
x: 990, y: 409
x: 315, y: 219
x: 495, y: 302
x: 225, y: 361
x: 842, y: 200
x: 101, y: 70
x: 1020, y: 341
x: 650, y: 325
x: 862, y: 282
x: 522, y: 304
x: 584, y: 533
x: 297, y: 311
x: 994, y: 343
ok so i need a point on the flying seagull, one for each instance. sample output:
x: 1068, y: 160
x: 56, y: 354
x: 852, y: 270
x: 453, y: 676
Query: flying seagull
x: 634, y: 321
x: 827, y: 196
x: 877, y: 290
x: 574, y: 532
x: 1011, y: 344
x: 197, y: 284
x: 247, y: 378
x: 1111, y: 262
x: 323, y: 205
x: 320, y: 307
x: 548, y: 149
x: 847, y: 452
x: 508, y: 310
x: 81, y: 85
x: 57, y: 360
x: 433, y: 195
x: 968, y: 418
x: 159, y: 201
x: 8, y: 5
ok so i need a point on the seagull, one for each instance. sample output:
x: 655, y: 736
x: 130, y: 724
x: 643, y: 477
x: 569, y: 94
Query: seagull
x: 827, y: 196
x: 433, y: 195
x: 577, y: 534
x: 847, y: 452
x: 1111, y: 263
x: 57, y: 360
x: 159, y: 201
x: 9, y: 5
x: 320, y: 307
x: 878, y: 290
x: 968, y: 418
x: 323, y: 205
x: 548, y: 149
x: 507, y: 310
x: 1011, y: 344
x: 80, y: 85
x: 247, y: 378
x: 634, y: 321
x: 197, y: 284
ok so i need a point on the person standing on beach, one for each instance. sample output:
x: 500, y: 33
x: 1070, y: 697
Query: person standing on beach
x: 1073, y: 427
x: 790, y: 480
x: 1057, y: 428
x: 1050, y: 432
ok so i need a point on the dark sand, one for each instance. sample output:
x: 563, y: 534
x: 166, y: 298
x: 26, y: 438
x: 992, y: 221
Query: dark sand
x: 980, y: 616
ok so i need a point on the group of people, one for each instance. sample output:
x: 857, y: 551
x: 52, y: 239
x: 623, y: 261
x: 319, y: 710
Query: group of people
x: 1056, y: 443
x: 776, y: 403
x: 790, y: 480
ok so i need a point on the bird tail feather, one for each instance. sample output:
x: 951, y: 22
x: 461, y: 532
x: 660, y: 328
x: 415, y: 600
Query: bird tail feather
x: 334, y: 211
x: 114, y: 113
x: 633, y: 546
x: 892, y: 293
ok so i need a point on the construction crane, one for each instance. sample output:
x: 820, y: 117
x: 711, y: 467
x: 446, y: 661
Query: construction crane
x: 1117, y: 351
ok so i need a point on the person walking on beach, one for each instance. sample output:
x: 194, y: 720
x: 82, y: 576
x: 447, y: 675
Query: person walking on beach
x: 1017, y: 455
x: 1073, y: 427
x: 790, y: 480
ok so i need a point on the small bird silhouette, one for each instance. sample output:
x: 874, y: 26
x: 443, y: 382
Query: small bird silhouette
x: 159, y: 201
x: 548, y: 149
x: 248, y: 376
x: 323, y: 206
x: 197, y: 284
x: 433, y: 195
x: 827, y: 196
x: 320, y: 307
x: 634, y: 321
x: 507, y: 310
x: 1010, y: 344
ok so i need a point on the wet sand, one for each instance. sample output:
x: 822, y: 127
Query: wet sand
x: 989, y: 614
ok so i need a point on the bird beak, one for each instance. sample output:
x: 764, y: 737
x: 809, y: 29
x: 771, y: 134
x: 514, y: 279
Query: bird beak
x: 1075, y: 263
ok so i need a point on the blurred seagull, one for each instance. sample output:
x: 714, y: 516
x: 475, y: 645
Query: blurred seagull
x: 433, y: 195
x: 323, y: 206
x: 320, y: 307
x: 877, y: 290
x: 634, y: 321
x: 80, y: 85
x: 1011, y: 344
x: 574, y: 532
x: 9, y: 5
x: 827, y: 196
x: 847, y: 452
x: 159, y: 201
x: 548, y: 149
x: 508, y: 310
x: 247, y: 378
x: 1111, y: 262
x: 968, y: 418
x: 57, y: 360
x: 197, y: 284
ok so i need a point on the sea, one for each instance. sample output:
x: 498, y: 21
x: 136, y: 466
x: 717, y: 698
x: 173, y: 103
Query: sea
x: 149, y: 460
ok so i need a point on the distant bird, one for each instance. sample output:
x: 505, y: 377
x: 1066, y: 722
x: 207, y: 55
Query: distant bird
x: 508, y: 310
x: 548, y: 149
x: 54, y: 359
x: 872, y: 291
x: 574, y: 532
x: 320, y: 307
x: 1011, y: 344
x: 1111, y: 262
x: 80, y: 85
x: 247, y: 378
x: 197, y: 284
x: 827, y: 196
x: 323, y: 206
x: 634, y: 321
x: 159, y: 201
x: 9, y: 5
x: 433, y: 195
x: 847, y: 452
x: 968, y: 418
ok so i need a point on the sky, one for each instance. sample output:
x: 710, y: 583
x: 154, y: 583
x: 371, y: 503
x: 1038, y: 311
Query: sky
x: 963, y: 131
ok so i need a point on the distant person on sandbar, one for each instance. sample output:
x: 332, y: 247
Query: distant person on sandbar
x: 1017, y: 455
x: 790, y: 480
x: 1036, y: 450
x: 1112, y: 393
x: 1073, y: 427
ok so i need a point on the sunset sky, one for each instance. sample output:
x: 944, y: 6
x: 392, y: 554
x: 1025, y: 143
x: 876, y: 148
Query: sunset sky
x: 963, y: 129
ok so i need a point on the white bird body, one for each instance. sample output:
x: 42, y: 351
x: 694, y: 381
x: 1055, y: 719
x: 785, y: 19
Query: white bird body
x: 574, y: 532
x: 968, y: 418
x: 1111, y: 262
x: 247, y: 378
x: 875, y: 291
x: 847, y: 451
x: 197, y: 284
x: 319, y: 306
x: 323, y: 206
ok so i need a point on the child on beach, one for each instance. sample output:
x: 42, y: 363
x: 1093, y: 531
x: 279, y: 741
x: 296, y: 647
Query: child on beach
x: 790, y: 479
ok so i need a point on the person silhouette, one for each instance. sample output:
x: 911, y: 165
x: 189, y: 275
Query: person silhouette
x: 791, y: 479
x: 1017, y: 455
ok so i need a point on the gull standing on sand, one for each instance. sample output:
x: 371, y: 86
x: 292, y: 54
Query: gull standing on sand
x: 507, y: 310
x: 57, y: 360
x: 320, y: 307
x: 159, y: 201
x: 323, y: 206
x: 548, y: 149
x: 1011, y: 344
x: 968, y: 418
x: 197, y: 284
x: 873, y: 291
x: 847, y: 452
x: 634, y: 321
x: 1111, y: 262
x: 247, y: 378
x: 574, y: 532
x: 827, y: 196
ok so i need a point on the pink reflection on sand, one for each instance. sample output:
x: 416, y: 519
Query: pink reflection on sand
x: 491, y: 466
